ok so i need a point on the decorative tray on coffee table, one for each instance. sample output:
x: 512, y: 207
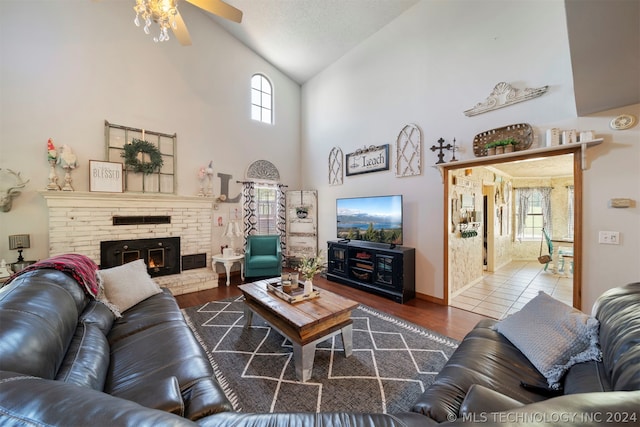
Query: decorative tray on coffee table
x: 293, y: 296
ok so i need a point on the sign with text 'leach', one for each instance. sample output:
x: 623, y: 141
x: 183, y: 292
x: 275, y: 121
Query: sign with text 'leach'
x: 372, y: 159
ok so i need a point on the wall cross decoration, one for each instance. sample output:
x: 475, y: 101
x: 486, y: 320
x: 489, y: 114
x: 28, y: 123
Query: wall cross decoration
x: 440, y: 147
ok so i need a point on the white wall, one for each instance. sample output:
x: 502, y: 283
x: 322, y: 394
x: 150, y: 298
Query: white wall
x: 66, y: 66
x: 428, y: 66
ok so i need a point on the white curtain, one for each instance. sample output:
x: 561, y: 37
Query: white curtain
x: 523, y: 199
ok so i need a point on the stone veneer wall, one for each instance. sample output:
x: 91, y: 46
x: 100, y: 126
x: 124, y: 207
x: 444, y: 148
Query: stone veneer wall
x: 79, y: 221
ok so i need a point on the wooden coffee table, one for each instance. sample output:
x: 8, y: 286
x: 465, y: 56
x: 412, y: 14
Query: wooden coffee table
x: 305, y: 323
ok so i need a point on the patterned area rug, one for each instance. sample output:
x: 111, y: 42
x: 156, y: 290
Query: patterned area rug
x: 392, y: 363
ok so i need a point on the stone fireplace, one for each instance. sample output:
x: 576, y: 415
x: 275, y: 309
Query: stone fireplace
x: 80, y: 221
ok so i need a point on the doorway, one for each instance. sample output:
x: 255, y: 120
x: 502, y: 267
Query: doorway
x: 508, y: 274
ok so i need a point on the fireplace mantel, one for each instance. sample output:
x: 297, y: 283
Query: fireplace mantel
x: 89, y: 199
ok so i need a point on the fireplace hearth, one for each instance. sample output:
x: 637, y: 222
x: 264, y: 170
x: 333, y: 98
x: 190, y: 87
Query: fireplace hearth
x: 161, y: 255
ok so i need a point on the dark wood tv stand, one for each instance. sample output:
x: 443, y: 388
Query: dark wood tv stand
x: 374, y: 267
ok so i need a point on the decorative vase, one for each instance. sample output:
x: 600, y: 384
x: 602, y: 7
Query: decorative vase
x: 509, y: 148
x: 308, y: 287
x: 491, y: 151
x: 500, y: 149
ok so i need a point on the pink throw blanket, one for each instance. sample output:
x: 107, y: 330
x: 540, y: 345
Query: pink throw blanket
x: 80, y: 267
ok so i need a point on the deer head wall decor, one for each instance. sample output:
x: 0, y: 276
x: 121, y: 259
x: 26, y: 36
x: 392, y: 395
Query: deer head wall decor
x: 7, y: 196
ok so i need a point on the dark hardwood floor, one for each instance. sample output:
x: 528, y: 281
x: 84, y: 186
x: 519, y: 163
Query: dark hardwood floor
x: 450, y: 321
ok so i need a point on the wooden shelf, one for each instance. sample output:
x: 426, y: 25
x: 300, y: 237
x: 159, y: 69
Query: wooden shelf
x: 499, y: 158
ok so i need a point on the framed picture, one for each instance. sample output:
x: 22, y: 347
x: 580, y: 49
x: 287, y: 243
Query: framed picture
x: 372, y: 159
x: 105, y: 176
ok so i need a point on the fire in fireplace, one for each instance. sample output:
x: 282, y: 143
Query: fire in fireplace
x: 162, y: 255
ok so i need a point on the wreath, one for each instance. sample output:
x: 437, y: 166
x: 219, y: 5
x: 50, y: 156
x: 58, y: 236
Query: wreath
x: 130, y: 155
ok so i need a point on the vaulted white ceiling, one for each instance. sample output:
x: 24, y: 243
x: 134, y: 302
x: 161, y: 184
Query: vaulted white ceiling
x: 302, y: 37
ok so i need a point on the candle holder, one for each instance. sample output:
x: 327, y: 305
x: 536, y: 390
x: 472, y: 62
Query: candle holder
x: 53, y: 177
x: 67, y: 179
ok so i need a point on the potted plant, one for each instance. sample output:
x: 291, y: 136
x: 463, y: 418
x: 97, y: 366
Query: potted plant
x: 308, y: 268
x: 510, y: 145
x: 491, y: 148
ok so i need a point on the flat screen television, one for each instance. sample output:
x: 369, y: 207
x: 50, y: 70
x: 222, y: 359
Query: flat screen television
x: 374, y: 219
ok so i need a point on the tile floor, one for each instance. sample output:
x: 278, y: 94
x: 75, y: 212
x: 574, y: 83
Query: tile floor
x: 506, y: 290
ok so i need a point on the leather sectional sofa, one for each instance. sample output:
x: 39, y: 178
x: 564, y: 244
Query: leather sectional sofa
x: 66, y: 360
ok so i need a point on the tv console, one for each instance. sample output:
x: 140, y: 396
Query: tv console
x: 373, y: 267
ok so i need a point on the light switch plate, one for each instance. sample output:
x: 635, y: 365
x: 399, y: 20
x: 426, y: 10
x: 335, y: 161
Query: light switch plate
x: 609, y: 237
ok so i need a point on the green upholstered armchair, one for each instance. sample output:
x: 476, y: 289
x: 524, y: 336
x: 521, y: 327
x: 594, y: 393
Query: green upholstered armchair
x: 263, y: 256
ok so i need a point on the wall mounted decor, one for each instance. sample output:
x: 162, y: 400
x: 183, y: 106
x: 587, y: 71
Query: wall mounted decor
x: 522, y: 133
x: 263, y: 170
x: 335, y: 166
x: 149, y: 157
x: 440, y: 147
x: 13, y: 190
x: 503, y: 95
x: 409, y: 151
x: 301, y: 225
x: 105, y: 177
x: 622, y: 122
x: 365, y: 160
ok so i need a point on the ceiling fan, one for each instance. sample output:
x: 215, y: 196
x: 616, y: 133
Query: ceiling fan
x: 165, y: 13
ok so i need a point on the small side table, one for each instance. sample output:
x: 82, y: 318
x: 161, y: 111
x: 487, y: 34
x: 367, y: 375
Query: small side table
x: 228, y: 263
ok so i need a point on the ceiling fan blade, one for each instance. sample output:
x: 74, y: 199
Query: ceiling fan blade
x: 180, y: 30
x: 220, y: 8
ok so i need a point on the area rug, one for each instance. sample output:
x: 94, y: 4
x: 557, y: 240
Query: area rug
x: 392, y: 363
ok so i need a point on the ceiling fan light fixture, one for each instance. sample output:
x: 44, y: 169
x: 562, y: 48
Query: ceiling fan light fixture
x: 162, y: 12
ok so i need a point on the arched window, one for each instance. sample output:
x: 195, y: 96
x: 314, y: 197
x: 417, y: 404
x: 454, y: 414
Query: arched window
x: 261, y: 99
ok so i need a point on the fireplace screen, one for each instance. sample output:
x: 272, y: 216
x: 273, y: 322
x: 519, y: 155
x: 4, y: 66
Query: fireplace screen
x: 162, y: 256
x: 156, y: 258
x: 129, y: 256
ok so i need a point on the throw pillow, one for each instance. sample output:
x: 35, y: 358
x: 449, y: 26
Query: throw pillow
x: 128, y: 284
x: 552, y: 335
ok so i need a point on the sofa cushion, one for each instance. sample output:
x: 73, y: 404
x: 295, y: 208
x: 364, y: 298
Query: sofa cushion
x: 151, y: 342
x: 30, y: 401
x: 98, y: 314
x: 586, y: 377
x: 38, y: 320
x: 480, y: 399
x: 156, y: 309
x: 162, y: 393
x: 552, y: 335
x: 87, y: 358
x: 617, y: 310
x: 264, y: 261
x: 128, y: 284
x: 484, y: 357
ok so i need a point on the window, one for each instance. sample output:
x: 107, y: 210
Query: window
x: 533, y: 223
x: 533, y: 212
x: 266, y: 210
x: 261, y: 99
